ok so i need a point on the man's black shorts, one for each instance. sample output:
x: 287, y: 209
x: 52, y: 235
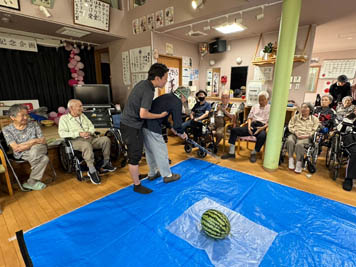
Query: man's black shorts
x: 133, y: 138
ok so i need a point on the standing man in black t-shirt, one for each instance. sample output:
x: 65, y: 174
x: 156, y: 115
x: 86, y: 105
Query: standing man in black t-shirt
x: 340, y: 89
x: 155, y: 146
x: 135, y: 112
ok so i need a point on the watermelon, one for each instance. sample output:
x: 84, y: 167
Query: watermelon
x: 215, y: 224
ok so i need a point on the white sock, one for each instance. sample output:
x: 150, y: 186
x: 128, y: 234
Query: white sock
x: 232, y: 149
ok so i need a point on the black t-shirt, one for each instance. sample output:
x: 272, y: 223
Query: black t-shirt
x: 140, y: 97
x: 339, y: 92
x: 173, y: 105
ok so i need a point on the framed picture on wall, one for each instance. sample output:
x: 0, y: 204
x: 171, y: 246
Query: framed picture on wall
x: 92, y: 13
x: 13, y: 4
x: 45, y: 3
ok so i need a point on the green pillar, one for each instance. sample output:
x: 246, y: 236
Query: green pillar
x: 282, y: 73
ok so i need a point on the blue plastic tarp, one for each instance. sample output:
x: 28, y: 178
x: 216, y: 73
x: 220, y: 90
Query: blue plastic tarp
x: 129, y: 229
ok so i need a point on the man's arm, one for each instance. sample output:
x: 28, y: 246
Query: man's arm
x: 202, y: 117
x: 145, y: 114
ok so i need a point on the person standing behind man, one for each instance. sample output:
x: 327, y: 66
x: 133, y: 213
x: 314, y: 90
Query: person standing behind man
x: 340, y: 89
x: 155, y: 146
x: 136, y: 110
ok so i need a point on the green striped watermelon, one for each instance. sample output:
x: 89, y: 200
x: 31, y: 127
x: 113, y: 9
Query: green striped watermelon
x: 215, y: 224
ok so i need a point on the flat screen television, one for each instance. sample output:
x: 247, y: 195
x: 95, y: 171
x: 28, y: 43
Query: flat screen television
x: 238, y: 77
x: 93, y: 95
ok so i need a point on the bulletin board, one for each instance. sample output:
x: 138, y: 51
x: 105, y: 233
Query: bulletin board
x: 92, y: 13
x: 333, y: 68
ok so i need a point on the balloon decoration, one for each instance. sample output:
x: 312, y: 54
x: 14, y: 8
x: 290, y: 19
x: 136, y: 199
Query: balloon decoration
x: 75, y: 66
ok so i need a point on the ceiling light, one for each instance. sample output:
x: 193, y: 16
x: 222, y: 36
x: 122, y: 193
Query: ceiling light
x: 197, y: 3
x: 230, y: 28
x: 262, y: 15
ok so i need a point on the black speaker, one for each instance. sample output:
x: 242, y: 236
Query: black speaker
x: 218, y: 46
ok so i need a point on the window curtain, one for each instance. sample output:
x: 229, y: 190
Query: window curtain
x: 43, y: 75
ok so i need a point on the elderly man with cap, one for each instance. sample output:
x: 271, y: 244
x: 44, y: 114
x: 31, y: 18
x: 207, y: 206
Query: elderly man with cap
x: 201, y: 109
x: 155, y: 147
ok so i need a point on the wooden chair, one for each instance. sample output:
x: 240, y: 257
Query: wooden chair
x: 4, y: 170
x: 247, y: 139
x: 228, y: 126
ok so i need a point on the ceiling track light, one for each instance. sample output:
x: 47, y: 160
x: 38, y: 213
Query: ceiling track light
x: 198, y: 3
x: 262, y: 15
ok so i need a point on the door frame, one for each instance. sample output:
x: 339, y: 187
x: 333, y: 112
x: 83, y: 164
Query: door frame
x: 97, y: 56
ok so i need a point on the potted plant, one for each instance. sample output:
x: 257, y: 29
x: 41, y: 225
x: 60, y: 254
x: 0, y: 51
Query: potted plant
x: 268, y: 51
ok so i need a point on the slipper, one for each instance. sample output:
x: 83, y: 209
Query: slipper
x: 37, y: 186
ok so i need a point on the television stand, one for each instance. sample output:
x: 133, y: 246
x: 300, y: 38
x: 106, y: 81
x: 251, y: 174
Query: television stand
x: 99, y: 116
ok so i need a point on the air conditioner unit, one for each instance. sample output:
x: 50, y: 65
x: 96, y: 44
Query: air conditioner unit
x: 72, y: 32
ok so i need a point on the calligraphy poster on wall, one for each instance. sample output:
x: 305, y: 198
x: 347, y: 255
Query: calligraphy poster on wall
x: 126, y: 67
x: 335, y: 67
x: 151, y: 21
x: 173, y: 80
x: 137, y: 77
x: 141, y: 59
x: 169, y: 15
x: 92, y: 13
x: 159, y: 19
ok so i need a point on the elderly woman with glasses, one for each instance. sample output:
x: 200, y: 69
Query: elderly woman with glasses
x: 302, y: 127
x: 27, y: 142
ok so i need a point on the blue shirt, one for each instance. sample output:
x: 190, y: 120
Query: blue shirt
x: 200, y: 110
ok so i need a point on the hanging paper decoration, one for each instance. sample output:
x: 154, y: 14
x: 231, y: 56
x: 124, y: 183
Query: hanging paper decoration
x: 75, y: 66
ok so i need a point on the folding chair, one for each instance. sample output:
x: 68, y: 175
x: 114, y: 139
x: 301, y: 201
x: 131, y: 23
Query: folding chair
x: 5, y: 171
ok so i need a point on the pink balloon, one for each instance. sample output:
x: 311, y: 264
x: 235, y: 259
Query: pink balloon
x: 53, y: 114
x: 72, y: 82
x: 81, y: 82
x: 76, y: 50
x: 73, y: 70
x: 77, y: 58
x: 68, y: 47
x: 70, y: 65
x: 80, y: 73
x: 74, y: 62
x: 80, y: 78
x: 76, y: 67
x: 80, y: 65
x: 74, y: 75
x: 71, y: 56
x: 61, y: 110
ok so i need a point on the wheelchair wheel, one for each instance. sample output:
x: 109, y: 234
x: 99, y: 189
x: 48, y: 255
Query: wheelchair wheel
x: 66, y: 161
x: 334, y: 166
x: 201, y: 153
x: 115, y: 150
x: 123, y: 162
x: 311, y: 167
x: 213, y: 148
x: 334, y: 173
x: 188, y: 148
x: 329, y: 152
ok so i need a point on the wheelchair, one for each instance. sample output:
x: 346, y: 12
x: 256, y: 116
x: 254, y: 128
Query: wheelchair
x: 284, y: 145
x: 338, y: 154
x: 72, y: 160
x: 202, y: 135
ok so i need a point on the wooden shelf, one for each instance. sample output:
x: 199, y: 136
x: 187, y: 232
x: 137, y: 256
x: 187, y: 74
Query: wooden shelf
x: 273, y: 61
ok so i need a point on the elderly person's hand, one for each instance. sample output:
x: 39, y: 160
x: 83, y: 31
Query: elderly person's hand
x: 85, y: 135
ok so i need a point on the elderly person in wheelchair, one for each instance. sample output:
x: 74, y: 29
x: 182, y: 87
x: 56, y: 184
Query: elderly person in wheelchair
x: 347, y: 128
x: 344, y: 108
x: 221, y: 115
x: 27, y: 142
x: 200, y: 111
x: 257, y: 124
x: 76, y: 126
x: 301, y: 128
